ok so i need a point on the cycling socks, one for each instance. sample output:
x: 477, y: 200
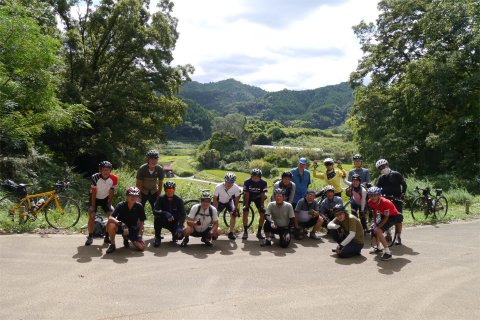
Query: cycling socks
x: 259, y: 230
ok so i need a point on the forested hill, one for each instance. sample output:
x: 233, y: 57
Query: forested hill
x: 318, y: 108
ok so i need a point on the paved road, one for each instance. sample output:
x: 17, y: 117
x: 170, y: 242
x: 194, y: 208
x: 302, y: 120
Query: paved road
x: 435, y: 275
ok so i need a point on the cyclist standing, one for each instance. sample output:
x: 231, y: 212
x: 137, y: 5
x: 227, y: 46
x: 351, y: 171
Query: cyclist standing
x: 202, y: 221
x: 169, y: 213
x: 352, y: 241
x: 332, y: 176
x: 287, y: 185
x: 101, y: 195
x: 254, y: 190
x: 301, y: 178
x: 280, y: 218
x: 358, y: 198
x: 127, y: 219
x: 150, y: 179
x: 393, y: 187
x: 226, y: 195
x: 357, y: 169
x: 388, y: 217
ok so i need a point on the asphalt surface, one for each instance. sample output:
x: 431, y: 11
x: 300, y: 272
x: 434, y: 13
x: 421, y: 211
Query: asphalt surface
x: 434, y: 275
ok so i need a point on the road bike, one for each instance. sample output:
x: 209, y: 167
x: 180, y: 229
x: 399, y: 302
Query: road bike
x: 61, y: 212
x: 426, y: 204
x: 224, y: 212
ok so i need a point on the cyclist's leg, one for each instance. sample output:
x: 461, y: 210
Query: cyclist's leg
x: 112, y: 229
x: 133, y: 234
x: 355, y: 207
x: 143, y: 199
x: 261, y: 220
x: 398, y: 228
x: 350, y: 250
x: 157, y: 225
x: 380, y: 238
x: 246, y: 208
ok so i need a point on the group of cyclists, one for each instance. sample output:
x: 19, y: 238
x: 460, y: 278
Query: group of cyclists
x: 292, y: 210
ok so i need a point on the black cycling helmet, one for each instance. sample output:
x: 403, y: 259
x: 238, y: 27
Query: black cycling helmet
x: 356, y: 176
x: 286, y: 174
x: 169, y: 185
x: 152, y: 154
x: 105, y: 164
x: 256, y: 172
x: 357, y: 157
x: 338, y: 209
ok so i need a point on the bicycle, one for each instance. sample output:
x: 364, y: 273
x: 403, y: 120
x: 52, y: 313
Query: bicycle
x: 61, y: 212
x: 386, y: 233
x: 224, y: 212
x: 427, y: 204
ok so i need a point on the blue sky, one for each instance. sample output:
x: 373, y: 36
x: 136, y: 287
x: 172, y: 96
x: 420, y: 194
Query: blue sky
x: 272, y: 44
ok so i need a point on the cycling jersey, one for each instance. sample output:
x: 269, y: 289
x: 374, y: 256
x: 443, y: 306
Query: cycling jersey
x: 303, y: 208
x: 150, y: 179
x: 333, y: 178
x: 326, y: 207
x: 129, y: 216
x: 203, y: 216
x: 384, y: 207
x: 289, y: 190
x: 359, y: 195
x: 174, y: 206
x: 103, y: 186
x: 224, y: 195
x: 255, y: 189
x: 362, y: 172
x: 392, y: 184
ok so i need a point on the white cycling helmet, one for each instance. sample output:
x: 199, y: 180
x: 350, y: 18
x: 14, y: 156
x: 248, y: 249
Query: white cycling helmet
x: 380, y: 163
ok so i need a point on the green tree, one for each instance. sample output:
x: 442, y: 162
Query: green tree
x: 421, y: 107
x: 119, y: 65
x: 29, y: 76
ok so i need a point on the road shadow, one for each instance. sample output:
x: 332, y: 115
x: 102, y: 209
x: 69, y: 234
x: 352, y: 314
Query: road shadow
x: 349, y: 261
x: 254, y: 248
x: 86, y: 253
x: 404, y: 250
x: 166, y: 247
x: 199, y: 250
x: 308, y: 243
x: 121, y: 255
x: 391, y: 266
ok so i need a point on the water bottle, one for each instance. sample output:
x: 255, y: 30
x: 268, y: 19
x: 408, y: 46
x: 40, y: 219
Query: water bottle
x: 39, y: 203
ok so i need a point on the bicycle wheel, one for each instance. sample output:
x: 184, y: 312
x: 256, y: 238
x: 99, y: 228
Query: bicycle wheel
x: 10, y: 214
x: 188, y: 206
x: 65, y: 217
x: 251, y: 216
x: 440, y: 208
x: 419, y: 208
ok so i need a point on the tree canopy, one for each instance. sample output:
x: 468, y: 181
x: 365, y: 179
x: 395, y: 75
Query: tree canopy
x: 421, y: 107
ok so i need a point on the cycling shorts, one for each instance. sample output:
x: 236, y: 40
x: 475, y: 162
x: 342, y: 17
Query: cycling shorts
x: 133, y: 232
x: 392, y: 220
x: 258, y: 204
x: 103, y: 203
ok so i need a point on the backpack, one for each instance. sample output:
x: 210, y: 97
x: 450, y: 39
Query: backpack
x: 210, y: 211
x: 99, y: 228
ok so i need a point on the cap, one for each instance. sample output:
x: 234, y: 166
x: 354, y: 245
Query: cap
x: 302, y: 161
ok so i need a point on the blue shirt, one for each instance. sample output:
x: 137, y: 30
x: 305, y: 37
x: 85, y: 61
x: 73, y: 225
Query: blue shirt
x: 362, y: 172
x: 302, y: 181
x: 326, y: 207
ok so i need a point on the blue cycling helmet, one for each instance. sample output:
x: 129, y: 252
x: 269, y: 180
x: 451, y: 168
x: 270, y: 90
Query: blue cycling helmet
x: 374, y: 191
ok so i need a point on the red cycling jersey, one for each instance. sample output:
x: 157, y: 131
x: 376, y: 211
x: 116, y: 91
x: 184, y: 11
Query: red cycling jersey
x: 385, y: 207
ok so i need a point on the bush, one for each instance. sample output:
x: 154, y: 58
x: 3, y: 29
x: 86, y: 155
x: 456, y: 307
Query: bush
x: 265, y: 166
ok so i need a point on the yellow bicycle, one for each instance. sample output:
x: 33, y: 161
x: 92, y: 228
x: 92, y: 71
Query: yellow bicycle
x: 61, y: 212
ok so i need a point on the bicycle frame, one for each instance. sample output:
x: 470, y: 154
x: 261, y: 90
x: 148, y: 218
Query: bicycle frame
x: 51, y: 196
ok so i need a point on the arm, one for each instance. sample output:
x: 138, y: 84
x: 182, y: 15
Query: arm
x: 93, y: 198
x: 110, y: 197
x: 349, y: 183
x: 235, y: 202
x: 160, y: 186
x: 138, y: 183
x: 332, y: 225
x: 364, y: 199
x: 319, y: 175
x: 215, y: 200
x: 292, y: 193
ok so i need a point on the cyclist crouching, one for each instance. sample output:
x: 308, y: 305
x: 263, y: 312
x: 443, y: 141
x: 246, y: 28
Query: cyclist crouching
x: 307, y: 214
x: 202, y: 221
x: 169, y: 213
x: 279, y: 219
x: 350, y: 236
x: 127, y: 219
x: 388, y: 217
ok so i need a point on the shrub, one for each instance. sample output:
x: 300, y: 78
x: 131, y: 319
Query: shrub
x: 263, y: 165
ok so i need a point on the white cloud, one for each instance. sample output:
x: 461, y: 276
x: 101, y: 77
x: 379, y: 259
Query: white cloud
x: 310, y: 48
